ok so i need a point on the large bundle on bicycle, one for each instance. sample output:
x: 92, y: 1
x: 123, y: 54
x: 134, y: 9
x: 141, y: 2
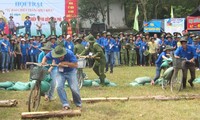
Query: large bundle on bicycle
x: 37, y: 73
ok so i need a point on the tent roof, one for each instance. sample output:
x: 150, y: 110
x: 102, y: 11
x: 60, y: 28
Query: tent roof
x: 196, y: 12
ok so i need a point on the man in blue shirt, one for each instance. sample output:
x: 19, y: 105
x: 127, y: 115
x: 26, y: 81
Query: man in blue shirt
x: 2, y: 25
x: 64, y: 57
x: 102, y: 40
x: 188, y: 52
x: 5, y: 49
x: 164, y: 55
x: 109, y: 52
x: 27, y: 24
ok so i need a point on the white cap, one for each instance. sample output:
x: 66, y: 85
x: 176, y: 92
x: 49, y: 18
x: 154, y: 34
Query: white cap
x: 68, y: 36
x: 23, y: 39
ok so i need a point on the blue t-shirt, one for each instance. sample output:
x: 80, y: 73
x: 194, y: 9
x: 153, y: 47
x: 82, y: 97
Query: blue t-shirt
x: 160, y: 59
x: 117, y: 46
x: 109, y: 46
x: 41, y: 56
x: 189, y: 53
x: 23, y: 48
x: 27, y: 23
x: 5, y: 48
x: 84, y: 43
x: 69, y: 45
x: 69, y: 57
x: 2, y: 25
x: 102, y: 41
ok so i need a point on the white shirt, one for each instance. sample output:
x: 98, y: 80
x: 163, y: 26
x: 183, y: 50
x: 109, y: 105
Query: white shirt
x: 39, y: 23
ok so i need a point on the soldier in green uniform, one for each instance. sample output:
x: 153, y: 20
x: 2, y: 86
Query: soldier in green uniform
x: 78, y: 48
x: 73, y: 22
x: 123, y: 52
x: 60, y: 41
x: 64, y: 24
x: 52, y: 24
x: 95, y: 50
x: 132, y: 52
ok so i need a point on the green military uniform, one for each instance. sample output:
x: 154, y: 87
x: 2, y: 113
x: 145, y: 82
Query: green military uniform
x: 73, y: 25
x: 78, y: 49
x: 52, y: 26
x: 132, y: 54
x: 64, y: 24
x: 123, y: 52
x: 95, y: 50
x: 60, y: 43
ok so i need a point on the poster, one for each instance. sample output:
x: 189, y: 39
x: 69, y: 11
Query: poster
x: 193, y: 23
x: 172, y: 25
x: 152, y: 26
x: 19, y: 9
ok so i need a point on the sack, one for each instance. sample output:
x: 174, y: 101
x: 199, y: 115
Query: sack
x: 20, y: 86
x: 168, y: 73
x: 135, y: 84
x: 95, y: 84
x: 159, y: 81
x: 47, y: 78
x: 143, y: 80
x: 111, y: 84
x: 6, y: 84
x: 87, y: 83
x: 106, y: 81
x: 197, y: 80
x: 45, y: 86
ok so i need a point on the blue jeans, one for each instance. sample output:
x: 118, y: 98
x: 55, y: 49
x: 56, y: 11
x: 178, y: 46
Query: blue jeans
x: 109, y: 60
x: 142, y: 57
x: 28, y: 30
x: 158, y: 70
x: 116, y: 58
x: 39, y: 32
x: 23, y: 59
x: 12, y: 61
x: 71, y: 78
x: 34, y: 58
x: 5, y: 61
x: 52, y: 84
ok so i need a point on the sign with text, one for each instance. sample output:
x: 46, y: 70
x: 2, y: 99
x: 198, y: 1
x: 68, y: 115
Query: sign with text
x: 152, y: 26
x: 193, y: 23
x: 19, y: 9
x: 172, y: 25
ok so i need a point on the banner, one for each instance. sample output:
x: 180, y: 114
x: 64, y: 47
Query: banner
x: 71, y: 11
x: 152, y: 26
x: 193, y: 23
x: 172, y: 25
x: 19, y: 9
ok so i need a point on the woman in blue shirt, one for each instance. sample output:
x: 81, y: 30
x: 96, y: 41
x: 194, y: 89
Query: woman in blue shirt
x: 163, y: 55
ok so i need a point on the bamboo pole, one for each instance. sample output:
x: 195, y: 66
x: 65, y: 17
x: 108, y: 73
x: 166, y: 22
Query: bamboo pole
x: 8, y: 103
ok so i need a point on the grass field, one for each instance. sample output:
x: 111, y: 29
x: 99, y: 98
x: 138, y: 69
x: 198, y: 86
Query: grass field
x: 129, y: 110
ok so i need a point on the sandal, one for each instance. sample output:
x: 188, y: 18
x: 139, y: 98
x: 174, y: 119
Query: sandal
x: 66, y: 108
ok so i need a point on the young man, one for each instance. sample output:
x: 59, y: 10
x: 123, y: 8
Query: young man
x: 27, y: 24
x: 52, y: 24
x: 64, y: 24
x: 95, y: 50
x: 39, y: 26
x: 63, y: 58
x: 11, y: 25
x: 188, y: 52
x: 5, y: 49
x: 163, y: 55
x: 2, y: 25
x: 73, y: 22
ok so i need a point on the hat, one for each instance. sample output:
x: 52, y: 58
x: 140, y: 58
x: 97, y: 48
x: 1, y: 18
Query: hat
x: 167, y: 48
x: 169, y: 36
x: 47, y: 47
x: 44, y: 40
x: 52, y: 37
x: 68, y: 36
x: 11, y: 17
x: 60, y: 36
x: 74, y: 34
x: 108, y: 34
x: 98, y: 34
x: 12, y: 39
x: 104, y: 32
x: 162, y: 35
x: 196, y: 38
x: 183, y: 39
x: 121, y: 33
x: 90, y: 38
x: 78, y: 40
x: 59, y: 52
x: 51, y: 17
x: 23, y: 39
x: 27, y: 17
x: 115, y: 36
x: 31, y: 38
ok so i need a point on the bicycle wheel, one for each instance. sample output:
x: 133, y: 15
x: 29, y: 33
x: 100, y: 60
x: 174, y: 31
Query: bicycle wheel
x: 80, y: 78
x: 34, y: 98
x: 176, y: 81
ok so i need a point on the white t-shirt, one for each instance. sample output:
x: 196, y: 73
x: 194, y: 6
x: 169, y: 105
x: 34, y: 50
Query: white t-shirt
x: 39, y: 23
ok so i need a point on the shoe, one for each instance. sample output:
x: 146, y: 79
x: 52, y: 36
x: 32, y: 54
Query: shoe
x: 191, y: 84
x: 197, y: 69
x: 7, y: 71
x: 66, y: 108
x: 106, y: 71
x: 111, y: 72
x: 79, y: 108
x: 3, y: 71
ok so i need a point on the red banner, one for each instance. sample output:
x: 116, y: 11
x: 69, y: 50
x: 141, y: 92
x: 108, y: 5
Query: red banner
x: 193, y: 23
x: 71, y: 10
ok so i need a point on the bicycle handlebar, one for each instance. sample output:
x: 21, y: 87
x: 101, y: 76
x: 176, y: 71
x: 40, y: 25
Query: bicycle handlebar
x: 88, y: 57
x: 39, y: 64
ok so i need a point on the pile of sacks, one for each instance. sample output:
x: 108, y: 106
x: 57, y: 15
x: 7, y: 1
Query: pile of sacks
x: 95, y: 83
x: 140, y: 81
x: 21, y: 86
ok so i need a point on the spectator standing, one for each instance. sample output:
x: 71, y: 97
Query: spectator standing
x: 27, y: 25
x: 39, y: 26
x: 2, y: 26
x: 11, y: 26
x: 5, y: 49
x: 64, y: 25
x: 73, y: 22
x: 117, y: 51
x: 52, y: 24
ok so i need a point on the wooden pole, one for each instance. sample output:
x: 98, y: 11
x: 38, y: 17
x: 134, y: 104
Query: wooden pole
x: 47, y: 114
x: 8, y: 103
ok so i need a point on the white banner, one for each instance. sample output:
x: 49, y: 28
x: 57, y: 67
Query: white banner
x: 19, y: 9
x: 174, y: 25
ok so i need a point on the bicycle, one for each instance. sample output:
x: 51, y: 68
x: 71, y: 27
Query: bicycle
x: 37, y: 73
x: 176, y: 80
x: 81, y: 76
